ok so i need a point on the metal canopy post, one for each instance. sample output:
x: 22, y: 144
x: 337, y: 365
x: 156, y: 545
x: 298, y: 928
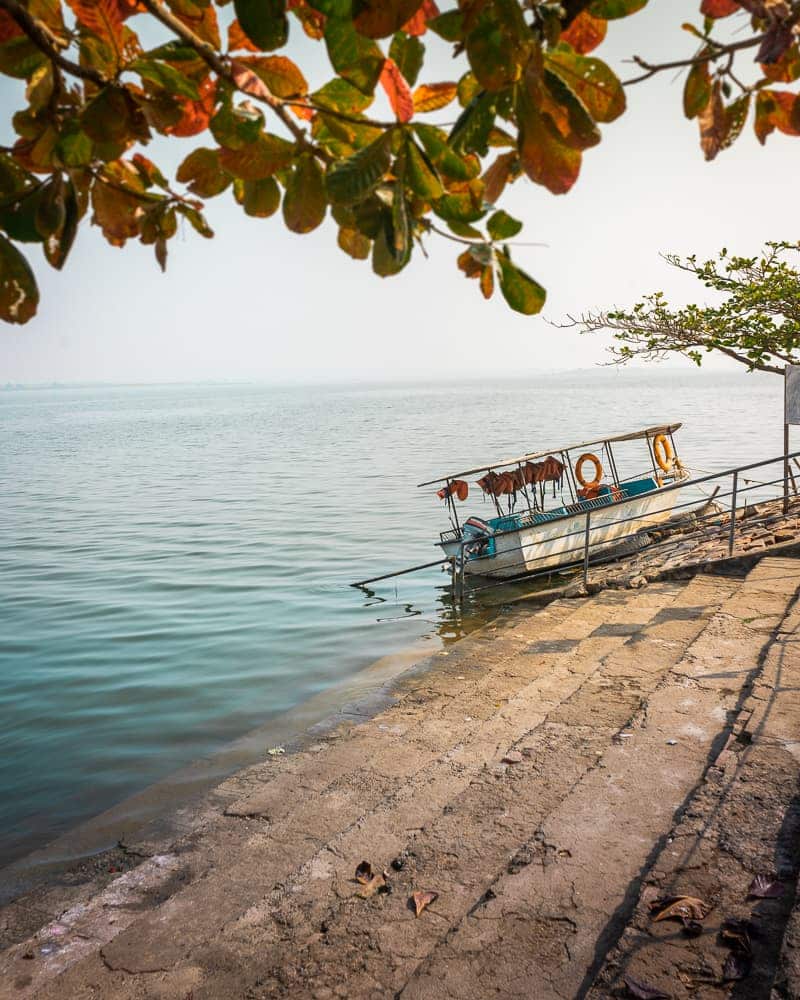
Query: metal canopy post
x: 452, y: 505
x: 525, y: 490
x: 611, y: 462
x: 573, y: 488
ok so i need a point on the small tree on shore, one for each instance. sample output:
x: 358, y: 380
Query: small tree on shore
x: 756, y: 324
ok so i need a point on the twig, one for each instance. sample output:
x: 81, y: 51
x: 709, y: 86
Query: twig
x: 721, y: 50
x: 44, y: 39
x: 220, y: 65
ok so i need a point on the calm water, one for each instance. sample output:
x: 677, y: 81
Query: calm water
x: 174, y: 561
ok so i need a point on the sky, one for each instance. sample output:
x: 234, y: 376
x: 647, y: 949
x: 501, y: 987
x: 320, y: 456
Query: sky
x: 258, y: 302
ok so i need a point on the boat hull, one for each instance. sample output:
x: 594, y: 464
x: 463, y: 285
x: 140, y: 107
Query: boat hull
x: 537, y: 547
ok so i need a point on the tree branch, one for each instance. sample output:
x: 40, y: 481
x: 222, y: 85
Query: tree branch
x: 218, y: 63
x: 720, y: 50
x: 44, y: 39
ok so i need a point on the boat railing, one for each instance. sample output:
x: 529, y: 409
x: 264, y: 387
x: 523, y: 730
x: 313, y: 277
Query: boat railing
x: 736, y: 492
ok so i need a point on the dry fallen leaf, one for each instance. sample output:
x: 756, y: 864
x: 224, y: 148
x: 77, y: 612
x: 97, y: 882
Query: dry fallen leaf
x: 765, y: 887
x: 642, y: 991
x: 736, y: 935
x: 364, y: 872
x: 423, y: 899
x: 682, y: 908
x: 376, y: 884
x: 736, y: 967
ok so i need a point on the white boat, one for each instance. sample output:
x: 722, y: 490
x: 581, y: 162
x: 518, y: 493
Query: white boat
x: 606, y: 511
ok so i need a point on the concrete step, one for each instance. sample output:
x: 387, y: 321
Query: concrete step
x: 295, y: 805
x: 742, y: 820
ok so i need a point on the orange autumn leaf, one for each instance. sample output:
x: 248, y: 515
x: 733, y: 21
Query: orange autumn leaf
x: 203, y: 23
x: 128, y: 8
x: 397, y: 90
x: 313, y: 21
x: 238, y: 40
x: 8, y: 27
x: 418, y: 24
x: 102, y: 17
x: 719, y: 8
x: 303, y: 111
x: 432, y: 96
x: 585, y: 33
x: 196, y: 114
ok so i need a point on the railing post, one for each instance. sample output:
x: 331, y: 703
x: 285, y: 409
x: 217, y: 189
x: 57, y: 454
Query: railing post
x: 785, y: 469
x: 733, y: 512
x: 586, y: 550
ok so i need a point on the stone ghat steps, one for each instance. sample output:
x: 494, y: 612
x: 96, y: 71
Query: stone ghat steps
x: 537, y: 863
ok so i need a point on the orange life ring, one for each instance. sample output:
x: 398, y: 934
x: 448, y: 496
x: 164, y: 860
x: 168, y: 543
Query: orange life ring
x: 598, y: 470
x: 663, y: 453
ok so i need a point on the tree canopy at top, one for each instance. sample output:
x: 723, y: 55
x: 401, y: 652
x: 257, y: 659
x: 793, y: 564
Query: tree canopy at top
x: 528, y: 95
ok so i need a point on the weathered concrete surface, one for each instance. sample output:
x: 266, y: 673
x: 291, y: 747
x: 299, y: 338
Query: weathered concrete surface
x: 538, y: 860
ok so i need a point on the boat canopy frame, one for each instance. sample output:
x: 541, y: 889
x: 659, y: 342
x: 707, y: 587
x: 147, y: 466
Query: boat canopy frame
x: 647, y: 433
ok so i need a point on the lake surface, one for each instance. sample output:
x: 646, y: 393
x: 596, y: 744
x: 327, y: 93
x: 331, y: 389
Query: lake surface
x: 175, y: 560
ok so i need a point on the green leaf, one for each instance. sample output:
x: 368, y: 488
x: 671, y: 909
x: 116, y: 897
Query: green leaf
x: 502, y: 226
x: 18, y: 216
x: 203, y: 173
x: 264, y: 22
x: 353, y: 179
x: 409, y: 53
x: 58, y: 246
x: 609, y: 10
x: 573, y: 121
x: 421, y: 174
x: 496, y: 56
x: 379, y: 18
x: 261, y: 199
x: 520, y: 291
x: 448, y: 26
x: 354, y: 243
x: 165, y: 76
x: 305, y: 203
x: 460, y: 207
x: 339, y: 95
x: 51, y: 211
x: 20, y: 58
x: 196, y: 219
x: 111, y: 120
x: 697, y: 90
x: 595, y: 84
x: 74, y: 147
x: 354, y: 57
x: 13, y: 179
x: 19, y: 296
x: 384, y: 261
x: 444, y: 158
x: 474, y: 125
x: 401, y: 228
x: 259, y: 159
x: 235, y: 128
x: 464, y: 230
